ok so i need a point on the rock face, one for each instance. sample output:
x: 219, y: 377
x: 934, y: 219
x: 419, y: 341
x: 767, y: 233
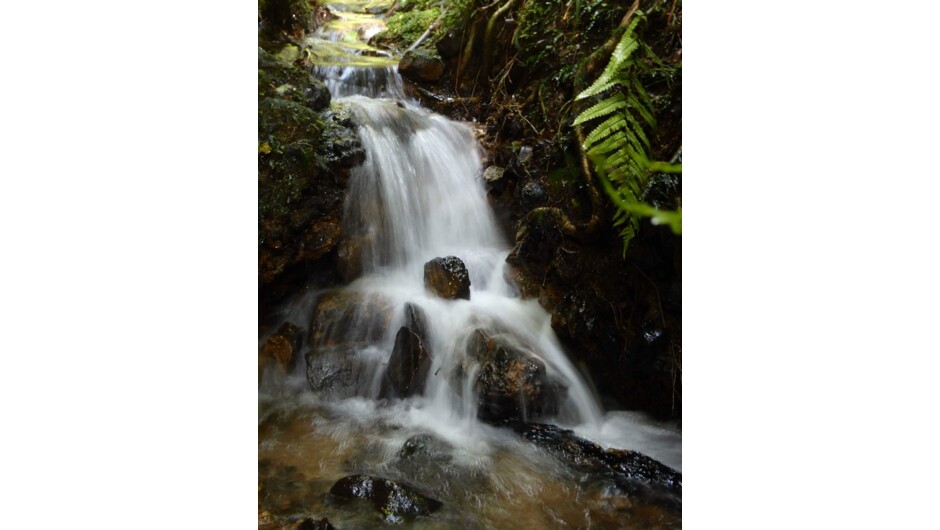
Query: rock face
x: 345, y: 324
x: 396, y: 502
x: 511, y: 386
x: 305, y: 152
x: 447, y: 277
x: 410, y: 361
x: 421, y: 65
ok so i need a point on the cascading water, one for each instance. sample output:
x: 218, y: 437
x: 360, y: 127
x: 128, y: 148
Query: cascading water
x: 418, y: 196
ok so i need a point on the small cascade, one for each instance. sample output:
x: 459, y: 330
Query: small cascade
x: 393, y: 358
x: 418, y: 196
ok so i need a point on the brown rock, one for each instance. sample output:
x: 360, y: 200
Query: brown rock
x: 421, y: 65
x: 447, y: 278
x: 511, y: 385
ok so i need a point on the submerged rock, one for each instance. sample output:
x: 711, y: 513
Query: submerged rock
x: 344, y: 325
x: 447, y: 277
x: 421, y: 65
x: 511, y: 385
x: 396, y: 502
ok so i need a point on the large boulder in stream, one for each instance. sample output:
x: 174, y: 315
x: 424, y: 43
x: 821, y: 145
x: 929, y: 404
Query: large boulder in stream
x: 347, y: 327
x: 396, y: 502
x: 630, y: 473
x: 512, y: 384
x: 421, y: 65
x: 410, y: 361
x: 447, y: 277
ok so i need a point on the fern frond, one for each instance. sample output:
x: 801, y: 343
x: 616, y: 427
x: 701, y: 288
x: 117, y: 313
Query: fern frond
x: 603, y: 108
x: 605, y: 129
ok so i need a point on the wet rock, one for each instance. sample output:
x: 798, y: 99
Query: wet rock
x: 320, y: 237
x: 282, y: 346
x: 344, y: 325
x: 634, y: 474
x: 310, y: 524
x: 409, y: 364
x: 421, y: 65
x: 417, y: 445
x: 410, y: 361
x: 533, y: 195
x: 349, y: 256
x: 397, y: 503
x: 447, y: 277
x: 511, y: 385
x: 416, y: 321
x: 339, y: 144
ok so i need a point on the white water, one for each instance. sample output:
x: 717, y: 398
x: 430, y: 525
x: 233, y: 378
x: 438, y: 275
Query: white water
x: 419, y: 195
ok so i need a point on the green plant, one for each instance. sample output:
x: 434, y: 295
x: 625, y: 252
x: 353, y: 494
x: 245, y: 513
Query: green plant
x: 618, y: 145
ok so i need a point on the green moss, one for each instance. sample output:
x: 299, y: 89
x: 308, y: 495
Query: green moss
x: 405, y: 27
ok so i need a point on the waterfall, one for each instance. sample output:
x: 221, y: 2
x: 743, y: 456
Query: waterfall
x: 420, y: 195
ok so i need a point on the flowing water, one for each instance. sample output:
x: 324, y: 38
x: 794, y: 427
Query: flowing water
x: 419, y: 195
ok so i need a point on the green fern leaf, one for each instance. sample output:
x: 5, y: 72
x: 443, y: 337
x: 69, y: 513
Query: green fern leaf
x: 608, y: 127
x: 603, y: 108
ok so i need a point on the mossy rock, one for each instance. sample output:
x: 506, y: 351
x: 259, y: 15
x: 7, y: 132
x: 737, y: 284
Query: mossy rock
x: 421, y: 64
x: 281, y: 79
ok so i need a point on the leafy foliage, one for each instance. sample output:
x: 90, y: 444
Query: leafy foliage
x: 618, y: 145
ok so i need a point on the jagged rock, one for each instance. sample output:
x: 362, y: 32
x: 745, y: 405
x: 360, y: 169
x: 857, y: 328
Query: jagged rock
x: 408, y: 365
x: 410, y: 361
x: 634, y: 474
x: 421, y: 65
x: 447, y: 277
x: 511, y: 385
x: 343, y: 324
x: 416, y: 321
x: 396, y: 502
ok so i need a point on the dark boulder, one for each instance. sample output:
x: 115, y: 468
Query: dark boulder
x: 633, y: 474
x: 396, y: 502
x: 421, y: 65
x: 447, y: 277
x: 408, y: 365
x: 410, y: 360
x: 511, y: 384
